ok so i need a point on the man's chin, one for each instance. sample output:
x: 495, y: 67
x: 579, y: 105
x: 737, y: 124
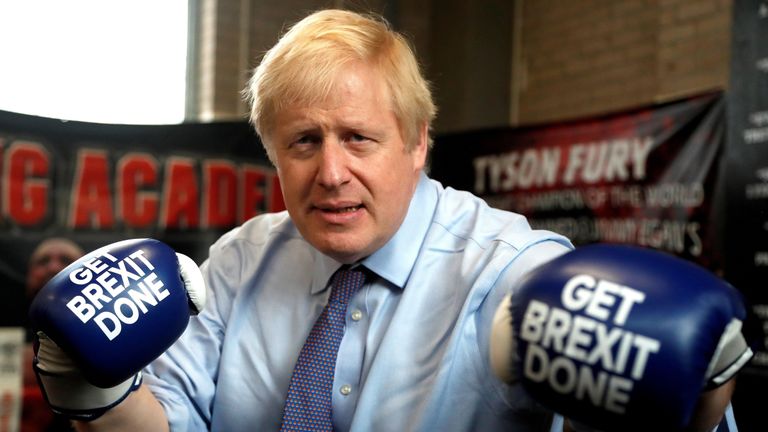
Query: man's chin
x: 343, y: 252
x: 345, y: 256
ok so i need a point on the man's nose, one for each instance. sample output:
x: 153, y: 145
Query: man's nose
x: 55, y: 265
x: 333, y: 169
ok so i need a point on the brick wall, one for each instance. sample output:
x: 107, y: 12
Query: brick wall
x: 563, y: 59
x: 219, y: 44
x: 586, y: 57
x: 231, y: 37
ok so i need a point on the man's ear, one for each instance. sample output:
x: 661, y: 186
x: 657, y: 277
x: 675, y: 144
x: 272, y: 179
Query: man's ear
x: 421, y: 149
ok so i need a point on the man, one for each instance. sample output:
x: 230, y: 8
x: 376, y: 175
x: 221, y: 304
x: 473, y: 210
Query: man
x: 344, y: 114
x: 47, y: 259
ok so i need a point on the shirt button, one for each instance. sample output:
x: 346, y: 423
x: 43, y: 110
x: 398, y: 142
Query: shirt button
x: 356, y: 315
x: 345, y: 389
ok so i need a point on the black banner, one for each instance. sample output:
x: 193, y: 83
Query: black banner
x: 645, y: 177
x: 97, y: 183
x: 747, y: 161
x: 746, y: 233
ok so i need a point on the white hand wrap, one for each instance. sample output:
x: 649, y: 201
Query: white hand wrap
x: 65, y: 389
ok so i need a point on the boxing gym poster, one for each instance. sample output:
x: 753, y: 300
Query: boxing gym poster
x: 746, y: 157
x: 645, y: 177
x: 99, y: 183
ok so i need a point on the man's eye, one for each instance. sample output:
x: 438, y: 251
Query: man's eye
x: 304, y: 142
x: 42, y: 261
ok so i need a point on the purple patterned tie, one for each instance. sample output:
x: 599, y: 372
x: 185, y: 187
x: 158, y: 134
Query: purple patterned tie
x: 308, y: 405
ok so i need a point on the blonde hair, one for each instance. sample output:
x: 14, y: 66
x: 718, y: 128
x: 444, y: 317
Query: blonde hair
x: 302, y: 67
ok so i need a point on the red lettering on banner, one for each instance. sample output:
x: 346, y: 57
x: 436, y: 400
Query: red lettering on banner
x: 276, y: 203
x: 220, y: 193
x: 137, y: 203
x: 180, y: 194
x: 253, y: 178
x: 140, y: 191
x: 261, y: 192
x: 26, y: 180
x: 91, y: 203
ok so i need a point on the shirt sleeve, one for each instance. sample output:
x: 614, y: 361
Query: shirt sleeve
x: 183, y: 379
x: 728, y: 424
x: 515, y: 268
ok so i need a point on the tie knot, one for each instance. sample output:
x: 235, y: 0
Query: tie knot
x: 345, y: 283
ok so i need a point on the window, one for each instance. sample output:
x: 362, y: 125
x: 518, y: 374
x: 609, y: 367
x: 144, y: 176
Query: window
x: 106, y: 61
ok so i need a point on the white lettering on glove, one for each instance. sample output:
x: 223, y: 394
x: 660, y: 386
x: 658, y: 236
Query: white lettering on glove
x: 135, y: 275
x: 589, y: 340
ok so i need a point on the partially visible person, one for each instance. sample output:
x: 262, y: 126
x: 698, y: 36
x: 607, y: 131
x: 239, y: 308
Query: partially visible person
x: 48, y: 259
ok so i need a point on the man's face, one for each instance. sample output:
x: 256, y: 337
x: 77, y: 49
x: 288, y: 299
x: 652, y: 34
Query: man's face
x: 346, y: 176
x: 46, y: 261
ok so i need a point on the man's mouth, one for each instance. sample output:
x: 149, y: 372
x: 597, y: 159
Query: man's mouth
x: 349, y: 209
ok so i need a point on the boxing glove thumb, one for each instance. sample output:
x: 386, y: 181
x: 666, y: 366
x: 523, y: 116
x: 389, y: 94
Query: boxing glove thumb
x: 193, y: 283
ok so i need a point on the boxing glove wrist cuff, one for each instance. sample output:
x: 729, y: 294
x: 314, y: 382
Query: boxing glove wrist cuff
x: 731, y: 355
x: 67, y: 391
x: 75, y: 398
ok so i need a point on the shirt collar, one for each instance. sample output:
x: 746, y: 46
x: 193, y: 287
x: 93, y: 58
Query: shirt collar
x: 395, y: 260
x: 322, y: 270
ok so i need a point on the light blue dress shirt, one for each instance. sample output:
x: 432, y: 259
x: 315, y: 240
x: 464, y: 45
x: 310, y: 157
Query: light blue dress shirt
x: 414, y: 356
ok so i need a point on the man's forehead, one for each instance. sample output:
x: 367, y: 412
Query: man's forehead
x: 55, y: 248
x: 354, y: 81
x: 300, y: 118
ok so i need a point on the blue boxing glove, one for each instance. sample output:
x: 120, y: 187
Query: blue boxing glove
x: 102, y: 319
x: 620, y: 337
